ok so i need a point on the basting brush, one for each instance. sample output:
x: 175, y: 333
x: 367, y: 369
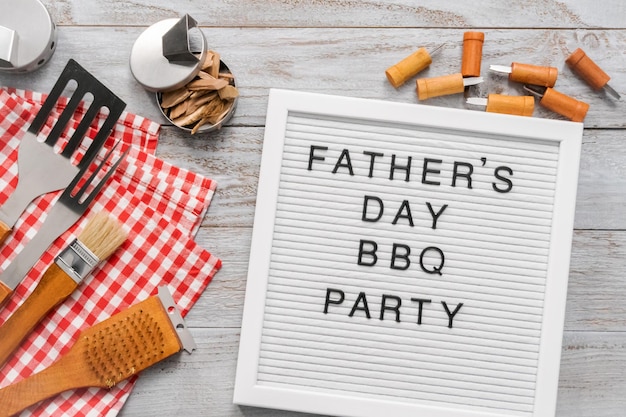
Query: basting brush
x: 100, y: 238
x: 107, y: 353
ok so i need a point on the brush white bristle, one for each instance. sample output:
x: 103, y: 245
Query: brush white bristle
x: 102, y: 235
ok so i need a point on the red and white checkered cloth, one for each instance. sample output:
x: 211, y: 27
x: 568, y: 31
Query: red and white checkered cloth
x: 161, y: 207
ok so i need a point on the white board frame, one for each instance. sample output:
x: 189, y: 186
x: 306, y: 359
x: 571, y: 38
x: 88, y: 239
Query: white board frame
x: 568, y: 135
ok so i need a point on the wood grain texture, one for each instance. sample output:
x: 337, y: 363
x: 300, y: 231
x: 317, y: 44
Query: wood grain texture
x: 347, y: 61
x: 343, y: 47
x: 348, y: 13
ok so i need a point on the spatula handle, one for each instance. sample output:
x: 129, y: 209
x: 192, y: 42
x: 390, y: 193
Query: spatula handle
x: 65, y: 374
x: 5, y: 294
x: 54, y: 287
x: 5, y: 231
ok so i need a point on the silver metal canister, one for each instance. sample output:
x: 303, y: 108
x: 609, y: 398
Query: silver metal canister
x: 27, y: 35
x: 162, y: 58
x: 167, y: 56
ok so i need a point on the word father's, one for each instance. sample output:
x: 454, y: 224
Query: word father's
x: 431, y: 259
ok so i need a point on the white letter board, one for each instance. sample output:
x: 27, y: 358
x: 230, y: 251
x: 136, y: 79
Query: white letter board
x: 407, y: 260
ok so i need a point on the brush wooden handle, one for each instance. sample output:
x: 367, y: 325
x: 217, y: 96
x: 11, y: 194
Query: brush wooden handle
x: 5, y: 293
x: 55, y: 286
x: 69, y: 372
x: 5, y: 231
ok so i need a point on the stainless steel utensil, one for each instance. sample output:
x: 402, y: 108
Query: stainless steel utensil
x: 64, y: 213
x: 40, y: 169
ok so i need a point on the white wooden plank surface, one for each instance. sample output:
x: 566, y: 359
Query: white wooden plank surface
x: 346, y: 13
x: 592, y: 379
x: 348, y: 61
x: 343, y: 47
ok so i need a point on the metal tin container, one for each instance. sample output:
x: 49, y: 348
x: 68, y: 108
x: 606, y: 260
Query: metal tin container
x: 167, y: 56
x: 207, y: 127
x: 27, y: 35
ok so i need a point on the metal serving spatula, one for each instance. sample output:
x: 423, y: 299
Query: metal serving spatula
x: 63, y: 214
x: 40, y: 169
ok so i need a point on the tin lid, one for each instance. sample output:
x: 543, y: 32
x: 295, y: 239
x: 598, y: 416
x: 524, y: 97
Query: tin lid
x: 168, y: 54
x: 27, y: 35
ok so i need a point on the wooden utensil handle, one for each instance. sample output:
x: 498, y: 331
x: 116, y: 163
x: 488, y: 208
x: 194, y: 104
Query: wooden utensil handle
x: 518, y: 105
x: 54, y: 287
x: 439, y: 86
x: 5, y: 231
x: 533, y: 74
x: 564, y: 105
x: 62, y: 376
x: 408, y: 67
x: 587, y: 69
x: 5, y: 293
x: 472, y: 53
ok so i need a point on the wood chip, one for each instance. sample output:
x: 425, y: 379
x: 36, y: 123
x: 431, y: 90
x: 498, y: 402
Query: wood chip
x: 199, y: 124
x: 229, y: 92
x: 207, y: 84
x: 205, y: 75
x: 172, y: 98
x: 201, y: 99
x: 179, y: 109
x: 215, y: 68
x: 208, y: 61
x: 216, y: 118
x: 190, y: 118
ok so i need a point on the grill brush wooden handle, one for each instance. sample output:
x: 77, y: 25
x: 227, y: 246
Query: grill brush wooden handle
x: 67, y: 373
x: 54, y: 287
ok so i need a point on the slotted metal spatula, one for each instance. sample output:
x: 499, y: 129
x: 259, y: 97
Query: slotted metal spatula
x: 40, y: 169
x: 72, y: 203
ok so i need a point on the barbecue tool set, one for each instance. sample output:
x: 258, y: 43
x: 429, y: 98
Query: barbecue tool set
x: 69, y: 148
x: 131, y: 340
